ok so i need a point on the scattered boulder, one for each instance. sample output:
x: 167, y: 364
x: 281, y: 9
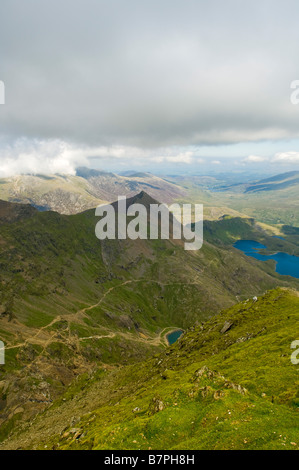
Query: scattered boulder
x: 156, y: 405
x: 227, y: 326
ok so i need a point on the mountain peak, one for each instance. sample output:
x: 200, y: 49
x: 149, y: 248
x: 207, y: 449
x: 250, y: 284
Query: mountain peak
x: 140, y: 198
x: 143, y: 197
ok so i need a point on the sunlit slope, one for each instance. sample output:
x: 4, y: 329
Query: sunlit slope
x: 69, y: 302
x: 63, y: 193
x: 227, y: 384
x: 72, y: 194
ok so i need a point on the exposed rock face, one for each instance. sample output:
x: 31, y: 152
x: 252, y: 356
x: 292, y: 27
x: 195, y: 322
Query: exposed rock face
x: 227, y: 326
x: 156, y: 405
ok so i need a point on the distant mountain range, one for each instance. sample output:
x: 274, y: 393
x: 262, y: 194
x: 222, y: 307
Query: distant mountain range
x: 271, y: 200
x: 68, y: 194
x: 275, y: 183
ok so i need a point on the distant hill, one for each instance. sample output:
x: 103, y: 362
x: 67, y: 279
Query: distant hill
x: 61, y: 193
x: 275, y: 183
x: 281, y: 177
x: 108, y: 186
x: 138, y: 174
x: 68, y: 194
x: 282, y: 181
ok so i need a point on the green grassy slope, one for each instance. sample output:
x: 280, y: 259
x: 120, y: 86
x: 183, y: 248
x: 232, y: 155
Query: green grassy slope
x: 69, y: 302
x: 227, y: 384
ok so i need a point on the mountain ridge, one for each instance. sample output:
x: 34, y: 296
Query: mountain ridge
x: 68, y: 194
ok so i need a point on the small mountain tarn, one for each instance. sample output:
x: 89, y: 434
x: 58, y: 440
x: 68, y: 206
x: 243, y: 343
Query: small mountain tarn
x: 174, y: 336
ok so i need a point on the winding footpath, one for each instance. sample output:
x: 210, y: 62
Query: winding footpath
x: 159, y: 339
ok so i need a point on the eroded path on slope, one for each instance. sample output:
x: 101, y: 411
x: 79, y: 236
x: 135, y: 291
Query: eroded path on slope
x: 44, y: 337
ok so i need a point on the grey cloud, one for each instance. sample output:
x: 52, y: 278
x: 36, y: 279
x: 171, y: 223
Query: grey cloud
x: 149, y: 73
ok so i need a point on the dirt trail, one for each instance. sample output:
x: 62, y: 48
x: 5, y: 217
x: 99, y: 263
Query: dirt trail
x: 35, y: 339
x: 84, y: 310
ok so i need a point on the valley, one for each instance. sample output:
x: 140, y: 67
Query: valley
x: 272, y: 201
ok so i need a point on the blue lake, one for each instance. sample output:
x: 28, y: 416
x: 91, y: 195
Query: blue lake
x: 287, y: 265
x: 174, y: 336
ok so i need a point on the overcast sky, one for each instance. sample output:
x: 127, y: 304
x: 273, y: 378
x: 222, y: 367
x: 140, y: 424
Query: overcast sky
x: 136, y: 82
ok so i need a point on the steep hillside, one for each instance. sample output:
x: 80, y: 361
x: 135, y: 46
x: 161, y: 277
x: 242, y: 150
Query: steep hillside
x: 69, y: 301
x: 109, y: 185
x: 63, y: 193
x: 226, y: 384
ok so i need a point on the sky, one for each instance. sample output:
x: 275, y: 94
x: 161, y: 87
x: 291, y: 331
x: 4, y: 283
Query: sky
x: 168, y: 85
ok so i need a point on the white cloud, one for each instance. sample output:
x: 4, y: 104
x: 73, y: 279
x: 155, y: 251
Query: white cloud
x: 56, y: 156
x: 33, y: 156
x: 255, y: 159
x: 286, y: 157
x: 184, y: 157
x: 46, y: 157
x: 27, y: 156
